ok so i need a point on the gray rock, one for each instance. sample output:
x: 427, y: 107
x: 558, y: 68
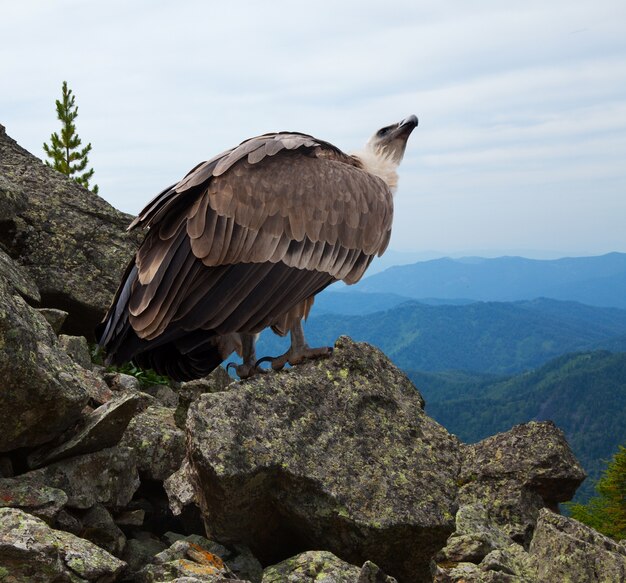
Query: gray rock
x: 101, y: 429
x: 336, y: 453
x: 30, y: 551
x: 512, y: 560
x: 99, y: 527
x: 564, y: 549
x: 179, y: 489
x: 77, y: 349
x: 244, y: 564
x: 17, y: 278
x: 54, y: 317
x: 68, y: 522
x: 122, y: 382
x: 238, y: 558
x: 516, y: 473
x: 141, y: 551
x: 190, y: 391
x: 130, y: 518
x: 42, y: 392
x: 37, y: 499
x: 108, y: 477
x: 312, y: 566
x: 371, y: 573
x: 73, y: 243
x: 159, y: 444
x: 185, y: 559
x: 165, y: 395
x: 323, y: 567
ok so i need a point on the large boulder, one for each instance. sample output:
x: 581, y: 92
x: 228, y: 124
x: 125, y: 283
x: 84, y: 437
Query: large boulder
x: 159, y: 444
x: 32, y: 552
x: 506, y: 482
x: 42, y: 392
x: 516, y: 473
x: 336, y: 454
x: 563, y: 549
x: 108, y: 477
x: 72, y: 242
x: 312, y: 566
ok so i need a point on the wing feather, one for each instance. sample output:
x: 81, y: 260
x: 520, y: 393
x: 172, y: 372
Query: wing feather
x: 248, y: 238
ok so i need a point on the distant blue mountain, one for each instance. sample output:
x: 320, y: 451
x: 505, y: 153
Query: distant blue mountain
x: 597, y: 281
x: 359, y: 303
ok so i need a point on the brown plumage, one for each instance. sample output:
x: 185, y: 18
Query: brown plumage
x: 243, y: 242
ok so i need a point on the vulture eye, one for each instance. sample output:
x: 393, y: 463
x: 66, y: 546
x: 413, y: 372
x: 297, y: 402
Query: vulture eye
x: 383, y: 132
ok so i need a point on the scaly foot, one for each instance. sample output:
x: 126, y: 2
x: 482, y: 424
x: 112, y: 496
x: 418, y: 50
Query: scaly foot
x: 246, y: 370
x: 297, y: 356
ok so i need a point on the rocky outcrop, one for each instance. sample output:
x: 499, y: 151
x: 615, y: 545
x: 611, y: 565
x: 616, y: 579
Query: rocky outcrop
x: 42, y: 392
x: 563, y: 549
x: 330, y: 471
x: 339, y: 453
x: 323, y: 566
x: 71, y: 241
x: 525, y: 469
x: 32, y: 551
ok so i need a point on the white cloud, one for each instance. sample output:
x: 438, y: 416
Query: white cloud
x: 520, y: 105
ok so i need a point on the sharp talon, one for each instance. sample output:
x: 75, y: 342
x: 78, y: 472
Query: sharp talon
x: 264, y: 359
x: 231, y: 364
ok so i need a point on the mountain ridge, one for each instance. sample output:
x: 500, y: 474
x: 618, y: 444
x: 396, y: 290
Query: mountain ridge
x: 597, y: 280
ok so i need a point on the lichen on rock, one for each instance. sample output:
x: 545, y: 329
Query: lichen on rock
x: 337, y: 452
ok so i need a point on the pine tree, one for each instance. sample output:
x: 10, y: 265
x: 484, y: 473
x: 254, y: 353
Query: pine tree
x: 606, y: 512
x: 63, y: 149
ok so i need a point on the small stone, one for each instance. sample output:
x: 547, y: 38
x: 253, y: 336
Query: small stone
x: 130, y: 518
x: 99, y: 528
x: 77, y: 348
x: 159, y: 444
x: 140, y: 552
x: 37, y: 499
x: 180, y: 491
x: 185, y: 559
x: 312, y: 566
x: 371, y: 573
x: 163, y: 394
x: 99, y: 430
x: 54, y: 317
x: 66, y: 521
x: 122, y: 382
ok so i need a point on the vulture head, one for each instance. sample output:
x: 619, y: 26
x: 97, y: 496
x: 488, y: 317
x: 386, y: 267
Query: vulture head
x: 385, y: 149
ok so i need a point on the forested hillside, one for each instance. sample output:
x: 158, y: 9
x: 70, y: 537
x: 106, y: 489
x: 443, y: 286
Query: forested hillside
x: 584, y: 394
x: 482, y: 337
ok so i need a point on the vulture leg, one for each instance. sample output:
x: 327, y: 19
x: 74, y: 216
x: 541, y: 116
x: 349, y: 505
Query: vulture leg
x: 249, y: 367
x: 299, y: 351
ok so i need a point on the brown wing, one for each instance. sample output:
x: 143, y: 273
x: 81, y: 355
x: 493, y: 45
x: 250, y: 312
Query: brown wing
x: 239, y: 243
x: 246, y: 236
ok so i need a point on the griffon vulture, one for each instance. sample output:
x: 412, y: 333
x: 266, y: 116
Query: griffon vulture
x: 244, y: 241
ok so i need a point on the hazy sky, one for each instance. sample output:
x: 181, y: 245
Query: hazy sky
x: 522, y: 105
